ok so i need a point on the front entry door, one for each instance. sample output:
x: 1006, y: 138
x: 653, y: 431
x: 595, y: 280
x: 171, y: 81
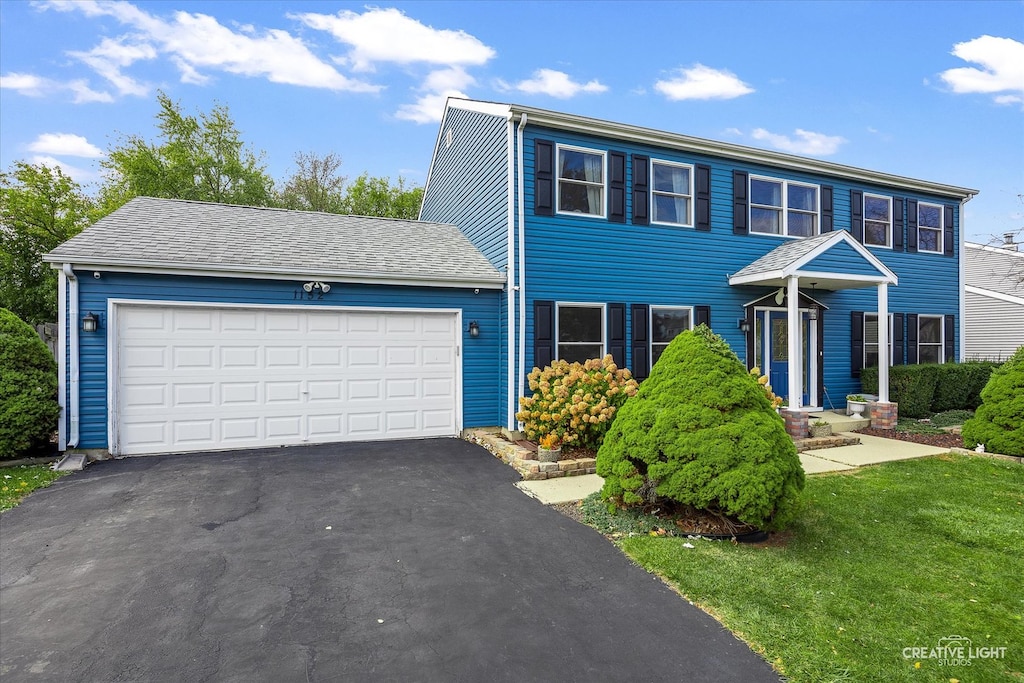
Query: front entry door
x: 776, y: 345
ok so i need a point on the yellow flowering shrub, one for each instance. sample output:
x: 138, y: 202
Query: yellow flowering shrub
x: 776, y: 401
x: 575, y: 402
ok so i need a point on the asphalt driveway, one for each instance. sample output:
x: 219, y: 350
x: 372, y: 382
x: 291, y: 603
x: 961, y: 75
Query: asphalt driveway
x: 398, y: 561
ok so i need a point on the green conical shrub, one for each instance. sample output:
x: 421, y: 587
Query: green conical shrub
x: 999, y: 421
x: 701, y: 432
x: 28, y: 389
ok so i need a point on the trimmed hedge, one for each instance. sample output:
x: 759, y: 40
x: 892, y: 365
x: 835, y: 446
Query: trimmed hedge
x: 932, y: 388
x: 28, y: 389
x: 999, y: 420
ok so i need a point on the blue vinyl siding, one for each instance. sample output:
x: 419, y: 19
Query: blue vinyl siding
x: 468, y: 183
x: 481, y: 365
x: 842, y: 258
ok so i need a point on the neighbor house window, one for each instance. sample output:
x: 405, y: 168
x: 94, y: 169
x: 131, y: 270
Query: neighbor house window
x: 580, y: 331
x: 672, y: 194
x: 871, y: 339
x: 783, y: 207
x: 929, y: 338
x: 667, y: 322
x: 581, y: 181
x: 929, y: 228
x: 877, y: 220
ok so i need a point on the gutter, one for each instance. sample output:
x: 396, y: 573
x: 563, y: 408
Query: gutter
x: 962, y: 313
x: 72, y: 350
x: 521, y: 366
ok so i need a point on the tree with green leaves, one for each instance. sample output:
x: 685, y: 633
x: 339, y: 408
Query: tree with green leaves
x: 40, y: 207
x: 369, y: 196
x: 200, y: 158
x: 315, y: 185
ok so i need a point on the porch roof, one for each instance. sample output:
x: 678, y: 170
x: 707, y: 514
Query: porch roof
x: 831, y: 261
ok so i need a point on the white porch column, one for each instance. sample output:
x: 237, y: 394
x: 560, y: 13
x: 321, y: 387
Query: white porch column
x: 883, y: 343
x: 794, y: 393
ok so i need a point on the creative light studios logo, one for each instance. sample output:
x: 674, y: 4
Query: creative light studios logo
x: 954, y: 651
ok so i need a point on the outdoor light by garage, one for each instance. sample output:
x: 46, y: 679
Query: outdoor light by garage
x: 89, y: 322
x: 474, y: 329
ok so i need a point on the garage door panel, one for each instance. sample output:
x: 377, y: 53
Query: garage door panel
x: 191, y: 379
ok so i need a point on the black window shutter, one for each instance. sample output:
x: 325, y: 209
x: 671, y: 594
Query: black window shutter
x: 949, y: 336
x: 739, y: 203
x: 641, y: 203
x: 702, y: 315
x: 617, y: 333
x: 543, y: 181
x: 827, y: 221
x: 897, y: 339
x: 947, y: 224
x: 640, y: 341
x: 912, y: 338
x: 857, y: 215
x: 856, y: 342
x: 543, y: 333
x: 912, y: 228
x: 897, y: 223
x: 616, y: 187
x: 703, y: 198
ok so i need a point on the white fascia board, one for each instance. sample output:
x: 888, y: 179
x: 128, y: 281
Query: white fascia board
x: 199, y: 270
x: 756, y: 278
x: 620, y: 131
x: 842, y: 236
x: 867, y: 279
x: 994, y: 295
x: 493, y: 108
x: 994, y: 250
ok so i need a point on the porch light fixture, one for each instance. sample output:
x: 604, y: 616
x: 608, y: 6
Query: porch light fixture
x: 474, y: 329
x: 744, y: 326
x: 322, y: 286
x: 89, y: 322
x: 812, y: 312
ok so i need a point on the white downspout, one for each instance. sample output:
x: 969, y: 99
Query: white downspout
x: 72, y: 328
x: 521, y: 366
x: 62, y: 364
x: 960, y: 260
x: 795, y: 393
x: 510, y: 280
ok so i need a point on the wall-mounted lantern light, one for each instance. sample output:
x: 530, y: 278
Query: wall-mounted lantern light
x: 812, y: 312
x: 89, y: 322
x: 744, y: 326
x: 474, y: 329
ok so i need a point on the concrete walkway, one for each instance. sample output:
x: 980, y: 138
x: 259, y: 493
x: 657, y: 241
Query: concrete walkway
x: 870, y: 451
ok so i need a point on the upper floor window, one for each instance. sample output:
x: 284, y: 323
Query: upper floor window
x: 580, y: 331
x: 877, y: 220
x: 672, y: 194
x: 667, y: 322
x: 929, y: 338
x: 929, y: 228
x: 581, y: 174
x: 783, y: 207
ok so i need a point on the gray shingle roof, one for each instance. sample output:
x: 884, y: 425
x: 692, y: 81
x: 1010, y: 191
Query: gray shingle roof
x: 171, y: 233
x: 785, y: 254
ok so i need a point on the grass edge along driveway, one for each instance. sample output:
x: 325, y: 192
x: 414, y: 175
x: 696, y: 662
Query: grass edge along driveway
x: 21, y: 480
x: 900, y: 555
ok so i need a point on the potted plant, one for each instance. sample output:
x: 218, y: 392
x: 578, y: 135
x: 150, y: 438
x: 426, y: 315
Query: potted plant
x: 820, y: 429
x: 856, y: 404
x: 550, y: 448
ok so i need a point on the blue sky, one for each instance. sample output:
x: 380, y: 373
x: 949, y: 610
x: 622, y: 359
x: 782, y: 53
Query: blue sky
x: 931, y: 90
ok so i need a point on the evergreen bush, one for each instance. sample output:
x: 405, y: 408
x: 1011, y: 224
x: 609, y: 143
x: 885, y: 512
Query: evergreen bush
x: 702, y: 432
x: 28, y: 389
x: 923, y: 389
x: 999, y: 421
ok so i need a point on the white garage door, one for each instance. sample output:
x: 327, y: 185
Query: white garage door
x: 191, y: 378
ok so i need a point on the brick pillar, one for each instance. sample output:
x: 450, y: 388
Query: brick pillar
x: 796, y: 423
x: 883, y: 415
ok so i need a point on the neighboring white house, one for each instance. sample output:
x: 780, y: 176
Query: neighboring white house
x: 993, y: 300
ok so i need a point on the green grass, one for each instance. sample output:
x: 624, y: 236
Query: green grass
x: 887, y: 557
x: 931, y: 424
x: 18, y: 482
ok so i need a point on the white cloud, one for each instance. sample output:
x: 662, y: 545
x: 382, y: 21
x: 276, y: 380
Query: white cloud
x: 802, y: 142
x: 436, y: 89
x: 388, y: 35
x: 31, y: 85
x: 65, y: 144
x: 702, y: 83
x: 557, y: 84
x: 1002, y: 69
x: 83, y: 93
x: 79, y: 175
x: 111, y: 56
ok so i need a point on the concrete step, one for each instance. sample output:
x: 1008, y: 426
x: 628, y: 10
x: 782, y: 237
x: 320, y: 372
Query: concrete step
x: 839, y: 421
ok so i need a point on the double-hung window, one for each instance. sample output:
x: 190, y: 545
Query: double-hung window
x: 783, y: 207
x: 929, y: 228
x: 929, y: 338
x: 871, y: 339
x: 581, y: 176
x: 667, y: 322
x: 877, y: 221
x: 580, y: 331
x: 672, y: 194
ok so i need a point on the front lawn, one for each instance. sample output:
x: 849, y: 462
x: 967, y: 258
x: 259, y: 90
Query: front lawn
x: 900, y: 555
x: 18, y: 482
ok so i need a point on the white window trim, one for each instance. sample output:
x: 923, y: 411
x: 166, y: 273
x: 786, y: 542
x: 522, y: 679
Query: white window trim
x: 689, y: 194
x: 559, y: 179
x: 864, y: 214
x: 941, y: 228
x: 581, y: 304
x: 864, y: 333
x: 942, y: 337
x: 785, y: 206
x: 650, y: 325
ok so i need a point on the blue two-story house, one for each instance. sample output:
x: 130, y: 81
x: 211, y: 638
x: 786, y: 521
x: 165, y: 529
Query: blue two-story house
x: 614, y: 238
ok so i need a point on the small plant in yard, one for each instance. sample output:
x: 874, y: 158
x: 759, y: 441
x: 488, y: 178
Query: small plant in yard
x: 18, y: 482
x: 701, y: 432
x: 575, y: 401
x: 856, y: 398
x: 28, y: 389
x: 550, y: 441
x: 999, y: 421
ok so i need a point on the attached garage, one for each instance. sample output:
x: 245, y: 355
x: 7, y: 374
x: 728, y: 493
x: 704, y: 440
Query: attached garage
x: 223, y: 327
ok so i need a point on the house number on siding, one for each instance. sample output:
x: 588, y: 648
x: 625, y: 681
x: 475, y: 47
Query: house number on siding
x: 299, y: 293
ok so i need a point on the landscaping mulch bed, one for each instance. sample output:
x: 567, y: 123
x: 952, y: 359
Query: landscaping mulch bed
x: 678, y: 521
x: 942, y: 440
